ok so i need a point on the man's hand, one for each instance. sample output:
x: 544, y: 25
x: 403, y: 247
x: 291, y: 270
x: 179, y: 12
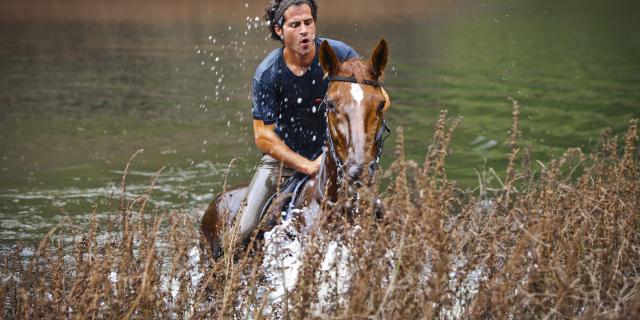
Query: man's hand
x: 313, y: 167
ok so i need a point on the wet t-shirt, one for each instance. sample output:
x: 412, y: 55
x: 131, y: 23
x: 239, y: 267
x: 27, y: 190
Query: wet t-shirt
x: 293, y: 102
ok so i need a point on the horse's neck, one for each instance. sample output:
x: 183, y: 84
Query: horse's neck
x: 327, y: 179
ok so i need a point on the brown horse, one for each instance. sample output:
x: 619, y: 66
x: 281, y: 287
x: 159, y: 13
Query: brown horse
x: 355, y: 104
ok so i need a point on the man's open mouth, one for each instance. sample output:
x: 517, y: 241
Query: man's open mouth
x: 305, y: 41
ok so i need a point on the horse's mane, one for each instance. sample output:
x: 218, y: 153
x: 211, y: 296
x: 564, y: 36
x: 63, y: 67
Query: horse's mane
x: 358, y: 69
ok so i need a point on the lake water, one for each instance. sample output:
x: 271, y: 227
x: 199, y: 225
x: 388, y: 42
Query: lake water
x: 79, y: 94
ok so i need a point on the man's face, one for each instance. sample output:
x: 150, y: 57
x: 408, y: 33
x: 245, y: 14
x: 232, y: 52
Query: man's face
x: 299, y: 29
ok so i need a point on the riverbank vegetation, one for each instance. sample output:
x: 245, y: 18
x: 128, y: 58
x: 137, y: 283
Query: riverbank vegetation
x: 549, y: 240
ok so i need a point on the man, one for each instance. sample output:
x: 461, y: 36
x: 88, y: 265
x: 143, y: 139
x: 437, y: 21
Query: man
x: 287, y: 89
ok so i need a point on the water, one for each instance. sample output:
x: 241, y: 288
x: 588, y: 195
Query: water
x: 80, y: 94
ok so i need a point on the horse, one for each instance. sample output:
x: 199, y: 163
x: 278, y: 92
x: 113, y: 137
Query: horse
x: 354, y: 105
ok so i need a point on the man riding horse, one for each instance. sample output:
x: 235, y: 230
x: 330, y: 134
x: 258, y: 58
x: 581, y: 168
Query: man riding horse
x: 288, y: 88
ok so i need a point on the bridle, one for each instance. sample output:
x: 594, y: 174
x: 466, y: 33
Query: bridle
x: 381, y: 135
x: 374, y: 83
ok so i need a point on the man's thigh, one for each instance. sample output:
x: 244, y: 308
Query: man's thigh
x: 263, y: 185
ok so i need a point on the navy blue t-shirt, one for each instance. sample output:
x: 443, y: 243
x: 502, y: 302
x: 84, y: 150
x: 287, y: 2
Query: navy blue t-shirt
x: 292, y: 102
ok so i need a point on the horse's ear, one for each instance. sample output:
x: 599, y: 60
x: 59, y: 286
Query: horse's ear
x: 328, y: 59
x: 379, y: 58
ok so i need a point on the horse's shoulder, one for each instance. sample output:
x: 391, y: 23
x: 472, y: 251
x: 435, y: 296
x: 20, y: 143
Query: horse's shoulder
x: 307, y: 193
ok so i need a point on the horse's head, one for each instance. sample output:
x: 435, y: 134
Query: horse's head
x: 355, y: 105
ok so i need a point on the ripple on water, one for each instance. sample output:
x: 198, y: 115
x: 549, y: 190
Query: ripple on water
x: 26, y: 215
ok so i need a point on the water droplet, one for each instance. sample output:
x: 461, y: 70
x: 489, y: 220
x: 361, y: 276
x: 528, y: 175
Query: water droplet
x: 217, y: 58
x: 313, y: 82
x: 299, y: 100
x: 313, y: 110
x: 313, y: 138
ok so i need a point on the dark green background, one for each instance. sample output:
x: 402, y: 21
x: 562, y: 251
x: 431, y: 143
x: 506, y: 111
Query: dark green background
x: 77, y: 98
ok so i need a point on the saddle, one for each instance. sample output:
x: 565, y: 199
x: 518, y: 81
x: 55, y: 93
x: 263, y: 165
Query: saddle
x: 290, y: 190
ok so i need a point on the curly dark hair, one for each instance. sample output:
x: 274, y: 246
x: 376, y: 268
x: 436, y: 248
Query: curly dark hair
x: 274, y: 13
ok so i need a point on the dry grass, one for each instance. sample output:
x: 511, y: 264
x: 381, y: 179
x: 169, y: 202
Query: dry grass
x: 552, y: 241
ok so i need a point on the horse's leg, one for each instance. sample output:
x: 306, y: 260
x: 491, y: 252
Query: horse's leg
x: 213, y: 220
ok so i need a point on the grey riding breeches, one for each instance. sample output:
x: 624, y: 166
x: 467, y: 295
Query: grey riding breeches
x: 262, y: 186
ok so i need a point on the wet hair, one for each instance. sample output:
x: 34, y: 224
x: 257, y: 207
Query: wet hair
x: 274, y: 13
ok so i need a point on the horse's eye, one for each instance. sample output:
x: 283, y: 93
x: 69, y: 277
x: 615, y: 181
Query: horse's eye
x: 381, y: 105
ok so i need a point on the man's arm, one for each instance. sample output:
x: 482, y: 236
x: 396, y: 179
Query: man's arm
x: 270, y: 143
